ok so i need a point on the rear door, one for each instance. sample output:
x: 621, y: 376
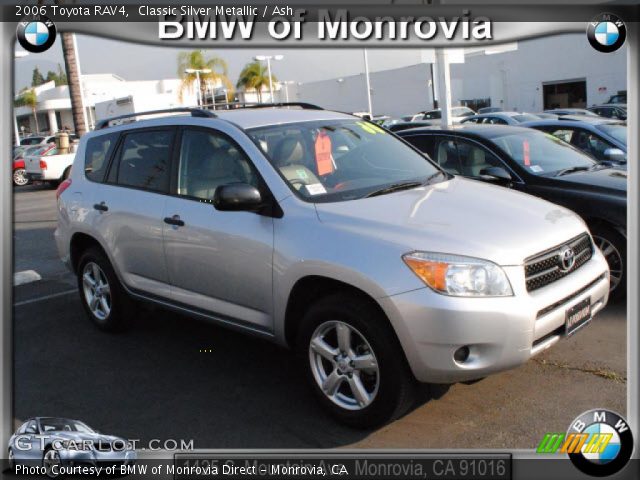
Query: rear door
x: 220, y: 262
x: 129, y: 207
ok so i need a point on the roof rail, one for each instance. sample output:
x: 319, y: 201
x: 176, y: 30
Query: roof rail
x: 195, y: 112
x: 237, y: 105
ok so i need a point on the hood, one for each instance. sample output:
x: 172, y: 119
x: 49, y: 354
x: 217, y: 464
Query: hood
x: 459, y: 216
x: 610, y: 180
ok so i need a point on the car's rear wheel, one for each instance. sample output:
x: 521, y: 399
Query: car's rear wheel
x: 50, y: 460
x: 20, y: 178
x: 613, y: 246
x: 12, y: 460
x: 355, y: 364
x: 102, y: 295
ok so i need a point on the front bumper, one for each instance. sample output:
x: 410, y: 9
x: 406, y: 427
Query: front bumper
x: 500, y: 332
x: 35, y: 176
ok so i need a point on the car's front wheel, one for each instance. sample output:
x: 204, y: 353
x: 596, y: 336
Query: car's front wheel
x: 354, y: 362
x: 20, y: 178
x: 51, y: 462
x: 102, y: 295
x: 613, y: 246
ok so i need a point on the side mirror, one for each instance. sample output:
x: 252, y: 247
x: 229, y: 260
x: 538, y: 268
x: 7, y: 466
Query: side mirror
x: 498, y: 174
x: 237, y: 197
x: 615, y: 155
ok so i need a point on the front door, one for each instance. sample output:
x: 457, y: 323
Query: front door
x: 220, y: 262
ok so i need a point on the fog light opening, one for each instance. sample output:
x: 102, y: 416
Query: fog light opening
x: 461, y: 355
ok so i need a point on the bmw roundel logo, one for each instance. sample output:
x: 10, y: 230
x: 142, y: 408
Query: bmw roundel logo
x: 606, y: 442
x: 606, y: 32
x: 36, y: 34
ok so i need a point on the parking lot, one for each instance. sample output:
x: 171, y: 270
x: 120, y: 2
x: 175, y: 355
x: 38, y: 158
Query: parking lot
x: 156, y: 381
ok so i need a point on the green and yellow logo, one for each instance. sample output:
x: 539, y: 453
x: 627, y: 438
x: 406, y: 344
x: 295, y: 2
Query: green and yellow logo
x: 574, y: 443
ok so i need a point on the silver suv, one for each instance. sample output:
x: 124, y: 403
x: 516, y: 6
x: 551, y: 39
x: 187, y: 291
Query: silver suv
x: 327, y: 234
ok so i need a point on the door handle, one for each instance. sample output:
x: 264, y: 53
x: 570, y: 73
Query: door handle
x: 175, y: 221
x: 101, y: 207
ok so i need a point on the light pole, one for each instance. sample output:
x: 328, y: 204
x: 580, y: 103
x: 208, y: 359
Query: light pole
x: 366, y: 73
x: 198, y: 71
x: 286, y: 84
x: 16, y: 132
x: 268, y: 59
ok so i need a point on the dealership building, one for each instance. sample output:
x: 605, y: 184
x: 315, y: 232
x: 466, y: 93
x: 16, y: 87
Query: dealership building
x: 529, y: 76
x: 103, y: 95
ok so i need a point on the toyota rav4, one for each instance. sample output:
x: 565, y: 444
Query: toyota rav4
x: 327, y: 234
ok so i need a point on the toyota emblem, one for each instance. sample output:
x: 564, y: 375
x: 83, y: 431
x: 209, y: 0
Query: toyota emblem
x: 567, y: 258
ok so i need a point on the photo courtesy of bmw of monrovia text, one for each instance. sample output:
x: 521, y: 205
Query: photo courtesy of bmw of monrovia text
x: 315, y: 240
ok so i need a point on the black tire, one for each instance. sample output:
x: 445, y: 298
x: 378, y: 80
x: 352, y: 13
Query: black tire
x: 615, y: 251
x: 118, y: 300
x: 11, y: 460
x: 396, y: 387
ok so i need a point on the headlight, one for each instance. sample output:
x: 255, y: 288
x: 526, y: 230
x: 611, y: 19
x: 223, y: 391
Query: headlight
x: 459, y: 276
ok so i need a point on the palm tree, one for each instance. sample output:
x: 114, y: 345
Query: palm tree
x: 73, y: 77
x: 254, y: 76
x: 28, y: 98
x: 196, y: 60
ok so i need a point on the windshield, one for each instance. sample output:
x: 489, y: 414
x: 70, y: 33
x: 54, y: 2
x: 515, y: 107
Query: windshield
x: 542, y: 154
x: 63, y: 425
x: 337, y: 160
x: 619, y: 132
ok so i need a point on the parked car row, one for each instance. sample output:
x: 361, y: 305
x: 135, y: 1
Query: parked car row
x: 39, y: 160
x: 531, y: 161
x: 381, y: 265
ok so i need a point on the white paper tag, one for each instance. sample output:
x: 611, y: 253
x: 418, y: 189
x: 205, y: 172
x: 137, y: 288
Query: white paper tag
x: 536, y: 168
x: 315, y: 189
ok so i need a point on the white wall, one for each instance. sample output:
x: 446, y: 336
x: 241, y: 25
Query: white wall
x: 513, y: 79
x: 517, y: 77
x: 394, y: 92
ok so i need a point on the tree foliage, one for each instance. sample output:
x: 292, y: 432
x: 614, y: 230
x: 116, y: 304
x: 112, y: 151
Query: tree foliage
x: 196, y: 60
x: 254, y: 76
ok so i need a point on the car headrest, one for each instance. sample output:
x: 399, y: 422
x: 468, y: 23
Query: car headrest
x: 289, y: 151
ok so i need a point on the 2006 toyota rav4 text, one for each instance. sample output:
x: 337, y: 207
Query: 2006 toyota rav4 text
x: 327, y: 234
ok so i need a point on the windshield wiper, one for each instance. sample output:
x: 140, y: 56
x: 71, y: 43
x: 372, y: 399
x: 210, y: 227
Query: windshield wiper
x: 396, y: 187
x: 565, y: 171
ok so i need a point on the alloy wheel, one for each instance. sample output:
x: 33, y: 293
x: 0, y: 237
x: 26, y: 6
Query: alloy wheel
x: 97, y: 292
x: 614, y: 259
x: 20, y: 178
x: 344, y: 365
x: 51, y: 459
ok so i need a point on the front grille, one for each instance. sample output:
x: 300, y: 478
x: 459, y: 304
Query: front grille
x: 546, y: 267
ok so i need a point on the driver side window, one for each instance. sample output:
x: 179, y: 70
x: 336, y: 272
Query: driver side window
x: 31, y: 427
x: 208, y: 160
x: 592, y: 144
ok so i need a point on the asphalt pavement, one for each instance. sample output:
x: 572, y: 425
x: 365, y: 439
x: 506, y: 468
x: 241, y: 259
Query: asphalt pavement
x: 171, y: 377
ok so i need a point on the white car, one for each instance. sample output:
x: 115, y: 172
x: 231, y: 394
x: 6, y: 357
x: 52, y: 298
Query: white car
x: 458, y: 114
x: 49, y: 167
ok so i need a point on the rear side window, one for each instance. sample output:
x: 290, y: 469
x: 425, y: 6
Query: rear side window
x: 145, y: 160
x: 97, y: 155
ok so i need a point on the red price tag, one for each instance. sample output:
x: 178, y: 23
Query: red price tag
x: 324, y: 159
x: 526, y: 153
